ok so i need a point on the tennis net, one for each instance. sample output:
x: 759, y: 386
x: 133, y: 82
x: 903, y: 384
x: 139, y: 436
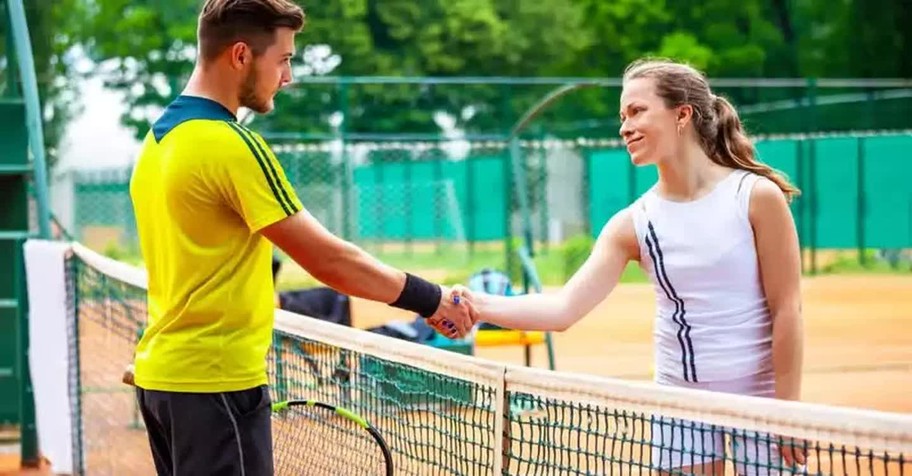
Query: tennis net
x: 446, y: 413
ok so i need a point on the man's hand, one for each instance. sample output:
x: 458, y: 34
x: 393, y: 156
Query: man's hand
x: 455, y: 316
x: 793, y: 452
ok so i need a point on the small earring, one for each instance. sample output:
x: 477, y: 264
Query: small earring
x: 680, y: 130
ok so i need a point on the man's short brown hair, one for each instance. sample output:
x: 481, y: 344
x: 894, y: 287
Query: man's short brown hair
x: 225, y: 22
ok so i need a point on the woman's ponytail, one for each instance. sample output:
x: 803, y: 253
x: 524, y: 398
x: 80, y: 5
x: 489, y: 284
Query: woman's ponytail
x: 734, y: 149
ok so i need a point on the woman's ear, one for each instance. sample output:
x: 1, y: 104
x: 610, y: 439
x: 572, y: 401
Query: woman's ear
x: 684, y: 115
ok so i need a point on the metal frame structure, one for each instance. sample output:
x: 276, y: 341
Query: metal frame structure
x: 22, y: 168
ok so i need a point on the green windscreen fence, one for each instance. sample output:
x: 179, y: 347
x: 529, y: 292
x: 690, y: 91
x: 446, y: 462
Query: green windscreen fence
x: 430, y: 199
x: 856, y: 191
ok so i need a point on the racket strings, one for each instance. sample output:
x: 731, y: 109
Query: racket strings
x: 316, y: 441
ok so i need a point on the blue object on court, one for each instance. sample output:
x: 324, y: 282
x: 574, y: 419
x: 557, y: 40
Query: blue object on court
x: 491, y: 281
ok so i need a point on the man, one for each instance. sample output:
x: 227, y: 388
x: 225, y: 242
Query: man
x: 210, y: 201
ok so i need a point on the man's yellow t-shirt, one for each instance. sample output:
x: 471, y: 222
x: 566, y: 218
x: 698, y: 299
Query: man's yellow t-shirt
x: 202, y: 188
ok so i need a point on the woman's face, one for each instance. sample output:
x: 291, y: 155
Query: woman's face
x: 648, y: 127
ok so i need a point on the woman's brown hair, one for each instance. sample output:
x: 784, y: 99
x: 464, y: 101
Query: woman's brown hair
x: 715, y: 120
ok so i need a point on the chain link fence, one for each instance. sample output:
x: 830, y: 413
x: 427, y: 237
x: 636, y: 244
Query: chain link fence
x: 449, y: 204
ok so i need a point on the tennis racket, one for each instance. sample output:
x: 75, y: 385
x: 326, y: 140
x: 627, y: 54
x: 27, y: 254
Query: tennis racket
x: 311, y: 437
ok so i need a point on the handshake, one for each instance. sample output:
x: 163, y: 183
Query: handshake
x: 457, y: 313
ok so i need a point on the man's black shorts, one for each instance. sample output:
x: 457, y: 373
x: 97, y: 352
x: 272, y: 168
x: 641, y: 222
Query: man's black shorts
x: 213, y: 434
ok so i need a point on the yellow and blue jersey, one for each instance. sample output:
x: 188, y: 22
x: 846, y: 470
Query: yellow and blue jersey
x: 202, y: 188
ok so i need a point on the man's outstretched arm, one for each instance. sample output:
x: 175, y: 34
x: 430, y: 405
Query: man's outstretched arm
x: 350, y: 270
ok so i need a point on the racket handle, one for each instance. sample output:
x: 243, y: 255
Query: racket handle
x: 127, y: 377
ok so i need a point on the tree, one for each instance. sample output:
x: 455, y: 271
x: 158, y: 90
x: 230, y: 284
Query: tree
x: 150, y: 52
x: 152, y: 49
x: 52, y: 40
x: 143, y: 50
x: 434, y: 38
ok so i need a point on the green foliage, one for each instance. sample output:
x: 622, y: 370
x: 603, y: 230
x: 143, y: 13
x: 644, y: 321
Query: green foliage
x: 574, y: 253
x: 686, y: 47
x: 151, y: 50
x: 52, y: 38
x: 122, y: 253
x: 893, y: 261
x: 145, y: 49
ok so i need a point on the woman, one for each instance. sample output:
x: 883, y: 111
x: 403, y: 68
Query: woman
x: 716, y: 237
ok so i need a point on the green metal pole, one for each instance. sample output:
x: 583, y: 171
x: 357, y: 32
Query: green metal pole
x: 586, y: 192
x: 519, y: 173
x: 801, y: 203
x: 409, y: 231
x: 470, y: 204
x: 378, y: 203
x: 543, y: 199
x: 812, y: 189
x: 19, y: 27
x: 812, y: 172
x: 12, y: 84
x: 509, y: 182
x: 438, y: 219
x: 26, y: 65
x: 347, y: 172
x: 860, y: 204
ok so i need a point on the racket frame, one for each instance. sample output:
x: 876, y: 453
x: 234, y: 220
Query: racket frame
x: 278, y: 407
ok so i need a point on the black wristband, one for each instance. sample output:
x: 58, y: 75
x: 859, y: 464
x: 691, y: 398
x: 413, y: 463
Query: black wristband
x: 418, y: 296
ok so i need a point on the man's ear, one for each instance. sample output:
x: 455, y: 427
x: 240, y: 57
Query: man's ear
x: 240, y: 55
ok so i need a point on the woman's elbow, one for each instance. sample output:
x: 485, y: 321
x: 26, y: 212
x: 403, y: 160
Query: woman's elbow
x: 788, y: 317
x: 567, y: 317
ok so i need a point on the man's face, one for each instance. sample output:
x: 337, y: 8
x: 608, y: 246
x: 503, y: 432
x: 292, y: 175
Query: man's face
x: 268, y: 73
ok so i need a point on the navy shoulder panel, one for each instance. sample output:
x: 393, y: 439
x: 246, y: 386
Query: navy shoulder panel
x: 187, y: 108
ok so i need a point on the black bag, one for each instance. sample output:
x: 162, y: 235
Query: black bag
x: 416, y: 331
x: 322, y: 303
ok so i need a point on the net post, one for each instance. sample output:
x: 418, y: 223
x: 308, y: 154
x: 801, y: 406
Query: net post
x: 409, y: 221
x: 860, y: 202
x: 438, y: 225
x: 519, y: 172
x: 812, y: 189
x: 586, y: 190
x: 543, y: 197
x: 811, y: 172
x: 470, y: 204
x: 800, y: 205
x: 501, y: 426
x: 509, y: 259
x: 347, y: 170
x: 72, y: 266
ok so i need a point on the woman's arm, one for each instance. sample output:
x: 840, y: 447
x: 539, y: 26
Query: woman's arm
x: 780, y: 268
x: 615, y: 246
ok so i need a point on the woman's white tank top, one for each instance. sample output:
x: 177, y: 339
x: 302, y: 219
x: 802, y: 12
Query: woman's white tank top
x: 712, y: 320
